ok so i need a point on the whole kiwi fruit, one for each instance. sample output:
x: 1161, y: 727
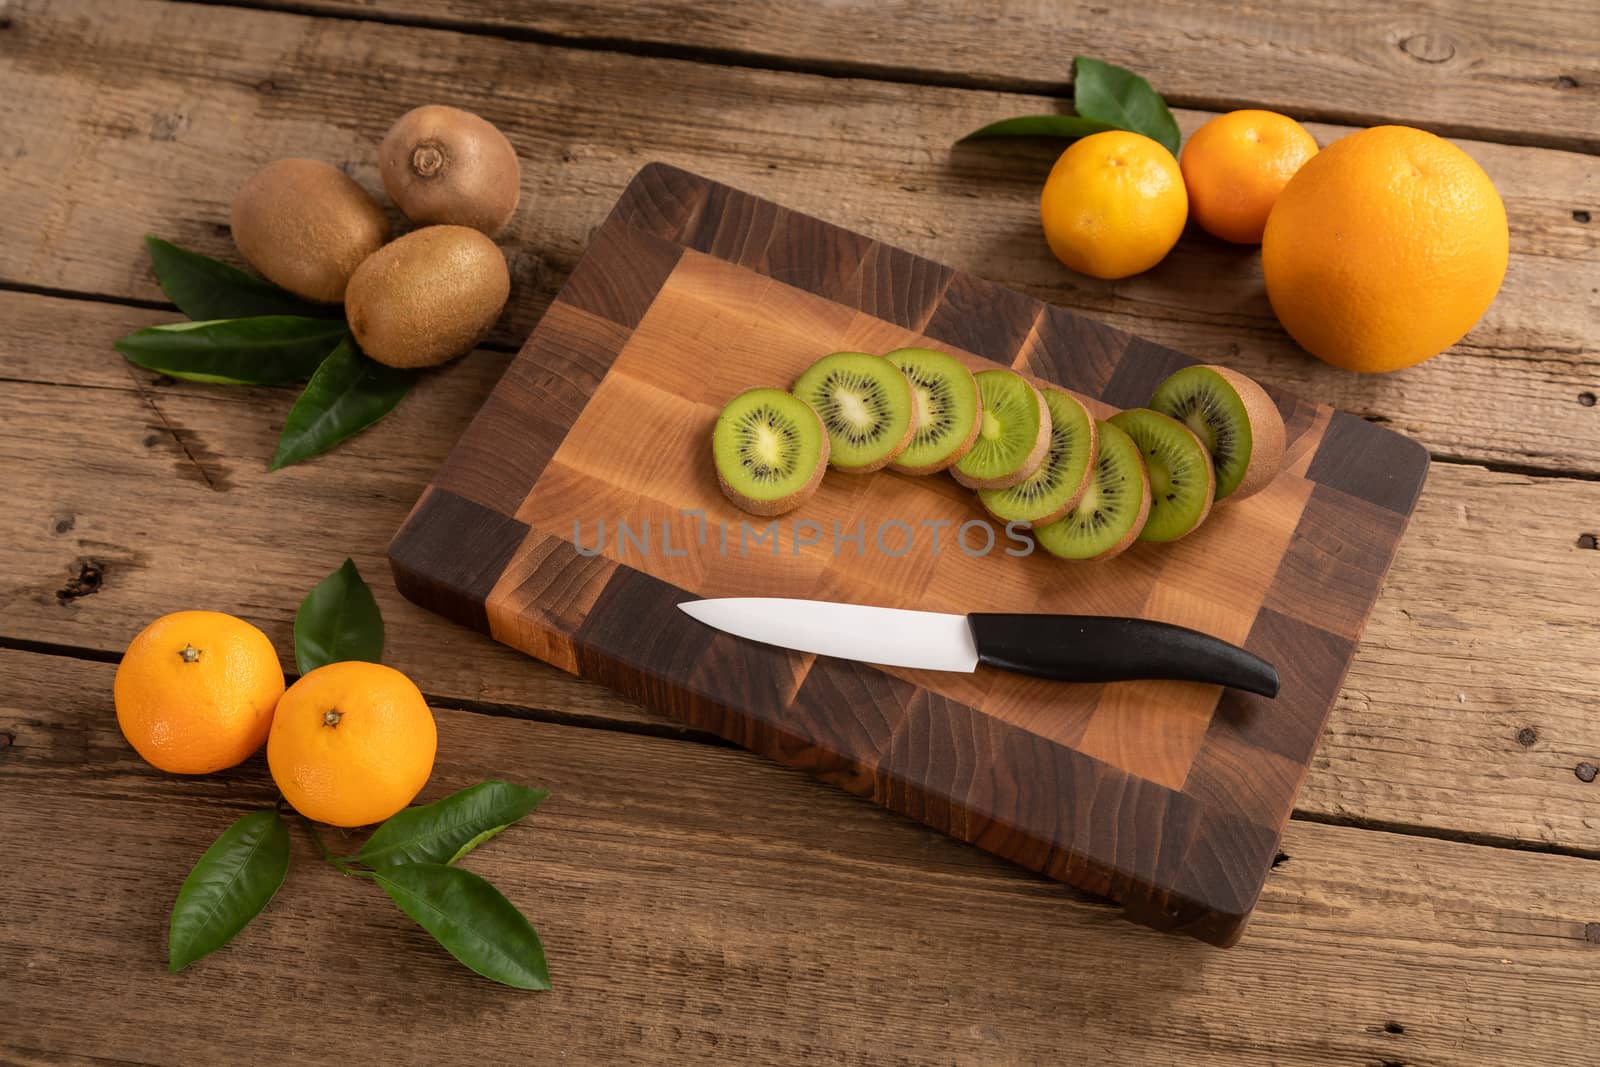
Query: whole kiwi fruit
x: 427, y: 297
x: 306, y: 226
x: 442, y: 165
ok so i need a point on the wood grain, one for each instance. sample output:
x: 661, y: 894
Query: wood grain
x: 1425, y: 733
x: 101, y: 146
x: 700, y: 905
x: 1521, y: 73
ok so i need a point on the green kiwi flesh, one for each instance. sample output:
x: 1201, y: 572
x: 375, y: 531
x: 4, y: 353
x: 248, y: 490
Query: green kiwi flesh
x: 1183, y: 481
x: 1013, y: 433
x: 1068, y: 467
x: 770, y: 451
x: 946, y: 407
x: 1113, y: 509
x: 1234, y: 418
x: 866, y: 406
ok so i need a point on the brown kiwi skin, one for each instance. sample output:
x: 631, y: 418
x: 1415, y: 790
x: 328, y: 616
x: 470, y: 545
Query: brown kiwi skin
x: 445, y: 166
x: 769, y: 508
x: 955, y: 457
x: 1041, y: 448
x: 306, y: 226
x: 1267, y: 436
x: 427, y: 297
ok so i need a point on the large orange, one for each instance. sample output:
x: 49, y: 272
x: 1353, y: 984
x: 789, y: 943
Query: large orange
x: 352, y: 743
x: 195, y: 691
x: 1384, y: 249
x: 1114, y: 204
x: 1236, y: 165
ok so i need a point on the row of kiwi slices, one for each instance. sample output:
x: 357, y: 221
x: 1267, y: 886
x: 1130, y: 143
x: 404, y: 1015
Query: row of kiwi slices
x: 1036, y: 455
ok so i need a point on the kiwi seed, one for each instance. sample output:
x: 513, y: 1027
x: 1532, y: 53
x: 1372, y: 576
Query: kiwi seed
x: 427, y: 297
x: 1183, y: 482
x: 1234, y: 418
x: 1066, y: 473
x: 442, y: 165
x: 866, y: 406
x: 1109, y: 516
x: 306, y: 226
x: 770, y: 450
x: 1013, y: 435
x: 946, y: 403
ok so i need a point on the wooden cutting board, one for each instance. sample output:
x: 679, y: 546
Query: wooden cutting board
x: 1167, y: 797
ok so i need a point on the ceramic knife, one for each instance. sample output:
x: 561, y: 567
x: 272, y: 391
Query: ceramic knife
x: 1068, y: 648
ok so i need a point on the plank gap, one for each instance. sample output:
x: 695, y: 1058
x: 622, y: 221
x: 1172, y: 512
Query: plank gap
x: 1527, y: 470
x: 9, y: 285
x: 1437, y: 833
x: 903, y: 75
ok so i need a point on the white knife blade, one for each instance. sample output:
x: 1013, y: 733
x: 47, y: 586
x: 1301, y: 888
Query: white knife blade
x: 894, y: 637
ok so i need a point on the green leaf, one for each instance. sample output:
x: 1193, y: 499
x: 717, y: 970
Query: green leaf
x: 338, y: 620
x: 1120, y: 98
x: 269, y: 350
x: 230, y: 885
x: 470, y: 918
x: 205, y: 288
x: 348, y: 393
x: 1039, y: 126
x: 447, y: 829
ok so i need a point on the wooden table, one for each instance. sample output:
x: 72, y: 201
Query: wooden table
x: 1434, y: 901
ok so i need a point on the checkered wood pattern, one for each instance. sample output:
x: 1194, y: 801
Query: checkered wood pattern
x: 1168, y: 797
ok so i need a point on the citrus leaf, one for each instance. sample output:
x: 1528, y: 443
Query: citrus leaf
x: 267, y: 350
x: 206, y: 288
x: 348, y: 393
x: 230, y: 885
x: 1039, y: 126
x: 447, y: 829
x: 338, y: 620
x: 1120, y: 98
x: 471, y: 919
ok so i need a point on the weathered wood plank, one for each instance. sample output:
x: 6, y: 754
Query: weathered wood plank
x: 102, y: 144
x: 1522, y: 73
x: 698, y: 904
x: 1485, y: 628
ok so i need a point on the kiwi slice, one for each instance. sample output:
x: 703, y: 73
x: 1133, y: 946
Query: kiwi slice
x: 1068, y: 467
x: 770, y: 450
x: 1234, y: 418
x: 946, y: 406
x: 1182, y: 479
x: 1111, y: 512
x: 1013, y: 433
x: 866, y: 407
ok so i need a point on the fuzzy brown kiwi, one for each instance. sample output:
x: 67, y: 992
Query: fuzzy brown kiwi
x: 427, y: 297
x: 1234, y: 418
x: 445, y: 166
x: 306, y: 226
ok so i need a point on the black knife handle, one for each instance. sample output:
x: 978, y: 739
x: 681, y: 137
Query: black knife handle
x: 1097, y: 648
